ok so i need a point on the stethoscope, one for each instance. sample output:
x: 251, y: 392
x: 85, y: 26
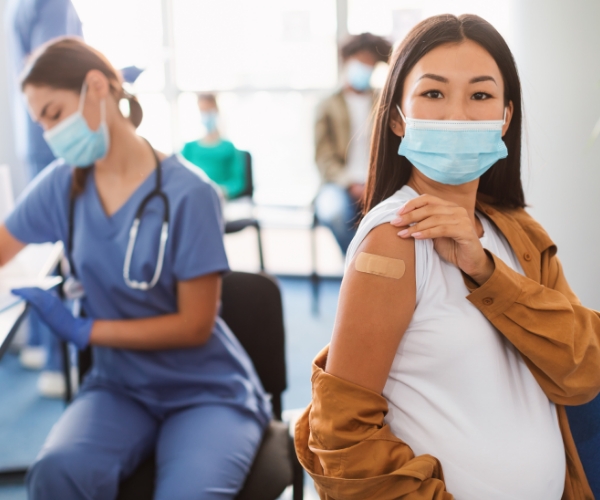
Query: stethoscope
x: 72, y: 286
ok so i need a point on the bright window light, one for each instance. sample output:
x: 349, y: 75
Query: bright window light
x: 232, y: 44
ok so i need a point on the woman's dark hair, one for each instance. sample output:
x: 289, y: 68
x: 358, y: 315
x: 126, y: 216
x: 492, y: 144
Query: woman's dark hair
x: 374, y: 44
x: 388, y: 171
x: 64, y: 63
x: 208, y: 97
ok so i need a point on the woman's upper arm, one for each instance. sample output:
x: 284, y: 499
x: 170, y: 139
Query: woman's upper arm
x: 198, y: 301
x: 373, y: 313
x: 9, y: 245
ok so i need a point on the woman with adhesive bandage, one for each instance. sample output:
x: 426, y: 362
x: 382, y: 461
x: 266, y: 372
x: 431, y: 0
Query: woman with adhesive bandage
x: 457, y: 341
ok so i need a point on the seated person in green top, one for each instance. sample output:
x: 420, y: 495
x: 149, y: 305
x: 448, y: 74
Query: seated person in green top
x: 219, y: 158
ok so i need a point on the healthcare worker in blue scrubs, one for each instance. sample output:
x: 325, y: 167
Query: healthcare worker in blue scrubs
x: 168, y: 375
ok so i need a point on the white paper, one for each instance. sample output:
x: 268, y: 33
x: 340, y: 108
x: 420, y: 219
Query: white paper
x: 8, y: 300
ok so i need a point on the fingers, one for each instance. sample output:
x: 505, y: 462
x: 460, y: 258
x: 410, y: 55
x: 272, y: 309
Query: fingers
x: 454, y: 226
x: 423, y: 200
x: 455, y: 232
x: 29, y: 293
x: 38, y: 298
x: 419, y: 214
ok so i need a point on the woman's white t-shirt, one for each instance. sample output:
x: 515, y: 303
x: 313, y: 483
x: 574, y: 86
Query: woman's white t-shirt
x: 460, y: 391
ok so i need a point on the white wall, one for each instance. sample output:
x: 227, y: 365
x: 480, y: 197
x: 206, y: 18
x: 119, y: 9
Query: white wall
x: 7, y: 144
x: 557, y: 47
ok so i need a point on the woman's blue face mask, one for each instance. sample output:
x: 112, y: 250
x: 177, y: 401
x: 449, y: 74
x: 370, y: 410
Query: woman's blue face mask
x: 74, y: 141
x: 209, y: 120
x: 359, y: 75
x: 452, y: 152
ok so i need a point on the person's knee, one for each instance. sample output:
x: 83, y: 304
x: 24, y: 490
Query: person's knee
x: 204, y: 484
x: 65, y: 473
x: 50, y: 473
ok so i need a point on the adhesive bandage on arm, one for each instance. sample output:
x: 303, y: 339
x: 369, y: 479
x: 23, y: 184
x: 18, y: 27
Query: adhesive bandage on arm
x: 379, y: 265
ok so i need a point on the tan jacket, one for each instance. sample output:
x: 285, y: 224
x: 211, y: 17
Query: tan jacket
x: 342, y: 440
x: 332, y: 137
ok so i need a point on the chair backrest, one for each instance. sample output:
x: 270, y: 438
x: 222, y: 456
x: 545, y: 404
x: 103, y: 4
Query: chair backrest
x: 252, y: 308
x: 249, y: 182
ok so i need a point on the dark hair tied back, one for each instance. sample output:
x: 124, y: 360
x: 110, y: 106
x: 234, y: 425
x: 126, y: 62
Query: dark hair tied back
x: 63, y: 63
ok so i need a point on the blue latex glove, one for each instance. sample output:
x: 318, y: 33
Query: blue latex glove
x: 57, y: 316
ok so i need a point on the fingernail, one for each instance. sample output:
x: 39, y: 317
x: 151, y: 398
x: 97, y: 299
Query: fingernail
x: 404, y: 232
x: 416, y: 235
x: 401, y: 211
x: 397, y: 221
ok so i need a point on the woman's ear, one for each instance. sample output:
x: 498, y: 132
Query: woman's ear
x: 98, y: 84
x: 396, y: 122
x: 509, y: 113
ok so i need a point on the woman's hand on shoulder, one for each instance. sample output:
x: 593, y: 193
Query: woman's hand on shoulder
x: 449, y: 226
x: 373, y: 313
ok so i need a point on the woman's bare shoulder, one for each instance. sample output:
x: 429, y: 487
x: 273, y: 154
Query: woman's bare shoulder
x: 384, y: 240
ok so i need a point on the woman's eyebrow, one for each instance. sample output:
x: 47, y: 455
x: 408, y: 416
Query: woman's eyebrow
x: 484, y: 78
x: 431, y: 76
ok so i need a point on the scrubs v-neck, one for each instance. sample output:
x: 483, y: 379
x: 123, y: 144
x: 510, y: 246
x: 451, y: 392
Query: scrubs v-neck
x: 218, y: 372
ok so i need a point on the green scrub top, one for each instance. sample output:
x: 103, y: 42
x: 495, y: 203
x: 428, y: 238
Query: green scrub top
x: 222, y: 162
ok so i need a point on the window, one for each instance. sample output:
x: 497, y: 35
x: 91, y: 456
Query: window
x: 270, y: 61
x: 263, y: 44
x: 395, y: 18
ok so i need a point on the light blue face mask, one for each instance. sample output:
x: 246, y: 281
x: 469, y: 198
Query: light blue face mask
x: 452, y: 152
x: 209, y: 120
x: 358, y: 75
x: 74, y: 141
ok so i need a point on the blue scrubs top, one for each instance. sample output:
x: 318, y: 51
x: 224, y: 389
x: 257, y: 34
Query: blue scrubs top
x: 218, y: 372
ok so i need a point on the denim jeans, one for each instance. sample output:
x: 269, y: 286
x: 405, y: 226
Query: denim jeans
x: 337, y: 210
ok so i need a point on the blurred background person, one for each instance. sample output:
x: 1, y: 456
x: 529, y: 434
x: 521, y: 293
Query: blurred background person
x: 343, y: 135
x: 217, y: 157
x: 29, y: 24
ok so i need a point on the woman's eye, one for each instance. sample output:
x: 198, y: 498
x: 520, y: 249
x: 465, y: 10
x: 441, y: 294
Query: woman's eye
x: 55, y: 116
x: 433, y: 94
x: 480, y: 96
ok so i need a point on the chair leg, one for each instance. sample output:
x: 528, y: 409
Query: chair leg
x: 260, y: 247
x: 66, y: 366
x: 298, y: 482
x: 13, y: 475
x: 314, y: 277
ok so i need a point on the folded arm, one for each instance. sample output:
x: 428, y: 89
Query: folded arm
x: 329, y: 162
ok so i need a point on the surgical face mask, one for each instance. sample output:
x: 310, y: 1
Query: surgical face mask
x: 358, y: 75
x: 452, y: 152
x: 74, y: 141
x: 209, y: 120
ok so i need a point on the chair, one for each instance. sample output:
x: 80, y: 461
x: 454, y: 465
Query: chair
x: 315, y: 278
x: 251, y: 306
x: 234, y: 226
